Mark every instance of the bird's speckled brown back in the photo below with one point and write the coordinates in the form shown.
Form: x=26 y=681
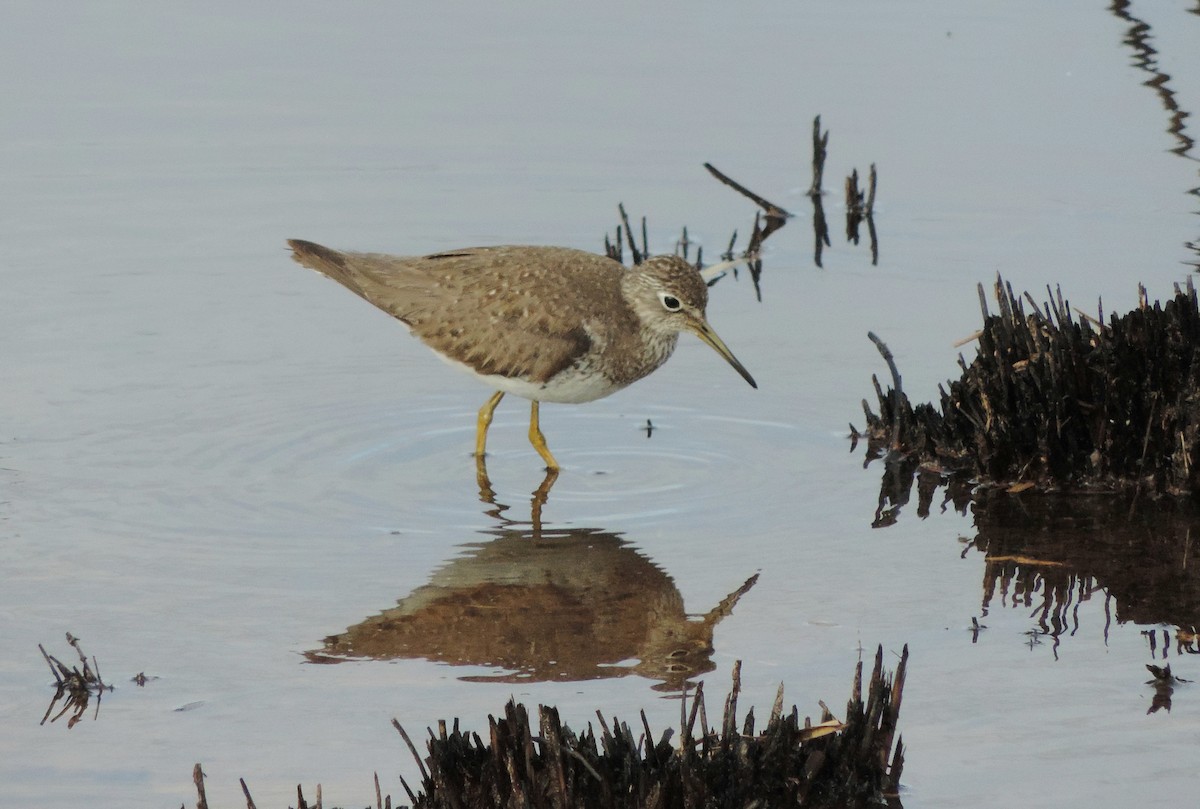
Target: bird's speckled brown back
x=526 y=312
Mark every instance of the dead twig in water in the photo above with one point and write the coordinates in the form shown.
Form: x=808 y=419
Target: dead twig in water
x=860 y=206
x=871 y=193
x=198 y=780
x=819 y=143
x=897 y=391
x=636 y=254
x=771 y=209
x=77 y=686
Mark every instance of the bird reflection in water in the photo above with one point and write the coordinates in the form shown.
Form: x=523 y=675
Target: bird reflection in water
x=541 y=604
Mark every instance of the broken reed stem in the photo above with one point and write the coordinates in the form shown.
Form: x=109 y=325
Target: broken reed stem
x=861 y=202
x=613 y=252
x=777 y=706
x=50 y=661
x=583 y=761
x=893 y=711
x=635 y=254
x=74 y=643
x=246 y=792
x=983 y=304
x=854 y=197
x=729 y=723
x=697 y=704
x=896 y=389
x=770 y=208
x=819 y=146
x=412 y=748
x=728 y=254
x=198 y=780
x=713 y=271
x=970 y=338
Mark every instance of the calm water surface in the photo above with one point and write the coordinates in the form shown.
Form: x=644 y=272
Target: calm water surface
x=216 y=468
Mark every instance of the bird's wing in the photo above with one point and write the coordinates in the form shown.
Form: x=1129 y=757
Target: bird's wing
x=512 y=311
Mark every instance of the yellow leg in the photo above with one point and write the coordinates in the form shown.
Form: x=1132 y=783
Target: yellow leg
x=538 y=440
x=485 y=421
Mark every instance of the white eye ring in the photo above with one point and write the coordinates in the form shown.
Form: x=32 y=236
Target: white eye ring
x=670 y=302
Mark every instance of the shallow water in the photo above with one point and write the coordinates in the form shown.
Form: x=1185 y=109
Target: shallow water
x=210 y=460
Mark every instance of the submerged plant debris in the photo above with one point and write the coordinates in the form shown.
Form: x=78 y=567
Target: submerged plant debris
x=789 y=762
x=1164 y=683
x=1056 y=403
x=75 y=686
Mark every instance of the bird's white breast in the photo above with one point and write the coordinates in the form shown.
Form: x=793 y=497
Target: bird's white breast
x=574 y=385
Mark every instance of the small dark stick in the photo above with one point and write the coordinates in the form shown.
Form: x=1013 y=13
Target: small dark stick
x=854 y=197
x=50 y=662
x=246 y=792
x=683 y=244
x=871 y=192
x=412 y=749
x=896 y=389
x=198 y=780
x=819 y=143
x=728 y=254
x=777 y=708
x=821 y=238
x=649 y=751
x=609 y=250
x=633 y=249
x=892 y=717
x=755 y=264
x=685 y=737
x=729 y=721
x=407 y=789
x=874 y=240
x=771 y=208
x=697 y=705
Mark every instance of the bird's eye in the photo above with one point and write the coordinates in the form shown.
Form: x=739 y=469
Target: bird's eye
x=669 y=302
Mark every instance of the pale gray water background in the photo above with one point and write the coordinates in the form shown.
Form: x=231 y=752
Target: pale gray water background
x=210 y=458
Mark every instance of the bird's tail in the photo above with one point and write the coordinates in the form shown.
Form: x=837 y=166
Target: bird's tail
x=328 y=262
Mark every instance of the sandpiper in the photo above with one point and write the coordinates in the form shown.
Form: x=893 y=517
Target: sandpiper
x=550 y=324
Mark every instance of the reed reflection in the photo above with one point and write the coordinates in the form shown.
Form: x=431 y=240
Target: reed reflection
x=543 y=603
x=1049 y=555
x=901 y=472
x=1139 y=36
